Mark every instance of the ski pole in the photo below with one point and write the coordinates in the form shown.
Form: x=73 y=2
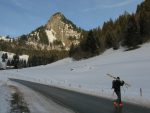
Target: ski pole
x=123 y=89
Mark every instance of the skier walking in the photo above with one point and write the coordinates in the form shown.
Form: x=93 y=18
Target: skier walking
x=116 y=86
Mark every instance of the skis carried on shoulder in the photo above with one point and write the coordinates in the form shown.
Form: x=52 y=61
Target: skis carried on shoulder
x=126 y=84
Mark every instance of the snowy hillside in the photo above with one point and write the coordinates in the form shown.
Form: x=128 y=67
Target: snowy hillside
x=89 y=76
x=5 y=39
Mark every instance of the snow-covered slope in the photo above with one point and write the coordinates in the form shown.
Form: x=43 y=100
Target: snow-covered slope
x=89 y=75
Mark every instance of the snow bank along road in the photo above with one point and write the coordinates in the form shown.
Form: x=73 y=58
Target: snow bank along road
x=81 y=103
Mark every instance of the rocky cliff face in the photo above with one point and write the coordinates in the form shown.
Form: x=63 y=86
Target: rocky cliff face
x=58 y=33
x=63 y=27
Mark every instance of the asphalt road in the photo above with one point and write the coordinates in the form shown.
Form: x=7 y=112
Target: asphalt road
x=81 y=103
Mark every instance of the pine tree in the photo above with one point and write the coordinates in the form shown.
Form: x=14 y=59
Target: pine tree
x=133 y=37
x=143 y=12
x=16 y=61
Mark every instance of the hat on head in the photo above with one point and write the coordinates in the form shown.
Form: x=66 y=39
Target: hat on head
x=118 y=78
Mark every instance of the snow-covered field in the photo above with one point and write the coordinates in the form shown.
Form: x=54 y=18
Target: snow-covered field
x=89 y=76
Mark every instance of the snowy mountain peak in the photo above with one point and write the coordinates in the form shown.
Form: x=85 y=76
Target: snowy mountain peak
x=64 y=29
x=58 y=15
x=59 y=33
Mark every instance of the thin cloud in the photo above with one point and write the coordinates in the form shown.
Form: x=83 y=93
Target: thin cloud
x=121 y=4
x=17 y=3
x=22 y=4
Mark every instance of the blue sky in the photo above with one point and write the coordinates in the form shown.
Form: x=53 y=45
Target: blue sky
x=19 y=17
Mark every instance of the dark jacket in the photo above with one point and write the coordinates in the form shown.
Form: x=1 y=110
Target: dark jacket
x=116 y=85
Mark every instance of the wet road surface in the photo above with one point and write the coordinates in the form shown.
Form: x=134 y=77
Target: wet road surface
x=81 y=103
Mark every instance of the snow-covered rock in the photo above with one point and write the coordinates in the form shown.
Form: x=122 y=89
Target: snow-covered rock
x=50 y=35
x=5 y=39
